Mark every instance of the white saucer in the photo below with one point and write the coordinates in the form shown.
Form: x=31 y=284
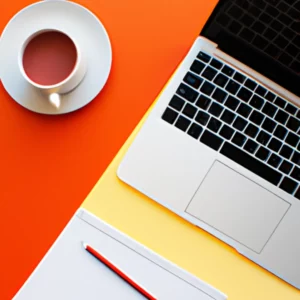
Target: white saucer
x=80 y=24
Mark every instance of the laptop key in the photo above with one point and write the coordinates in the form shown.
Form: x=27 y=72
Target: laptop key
x=197 y=67
x=187 y=93
x=274 y=160
x=211 y=140
x=256 y=117
x=251 y=163
x=203 y=56
x=244 y=110
x=261 y=91
x=262 y=153
x=280 y=132
x=286 y=167
x=286 y=151
x=193 y=80
x=296 y=158
x=263 y=138
x=228 y=116
x=293 y=124
x=203 y=102
x=280 y=102
x=195 y=130
x=251 y=130
x=221 y=80
x=239 y=77
x=219 y=95
x=250 y=84
x=182 y=123
x=169 y=115
x=257 y=102
x=189 y=110
x=250 y=146
x=207 y=88
x=240 y=124
x=232 y=87
x=232 y=102
x=288 y=185
x=281 y=117
x=275 y=145
x=228 y=71
x=226 y=132
x=202 y=117
x=269 y=125
x=239 y=139
x=216 y=64
x=291 y=109
x=214 y=125
x=244 y=94
x=269 y=109
x=209 y=73
x=215 y=109
x=296 y=174
x=177 y=103
x=292 y=139
x=270 y=97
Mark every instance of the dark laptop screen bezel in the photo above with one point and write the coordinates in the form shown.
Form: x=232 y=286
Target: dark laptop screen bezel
x=255 y=59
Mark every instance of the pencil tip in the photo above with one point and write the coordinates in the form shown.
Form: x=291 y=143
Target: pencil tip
x=84 y=245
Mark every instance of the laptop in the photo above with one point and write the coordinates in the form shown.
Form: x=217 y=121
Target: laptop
x=221 y=146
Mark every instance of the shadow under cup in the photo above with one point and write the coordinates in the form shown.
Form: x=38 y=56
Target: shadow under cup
x=49 y=58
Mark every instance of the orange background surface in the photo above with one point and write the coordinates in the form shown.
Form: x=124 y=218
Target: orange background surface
x=49 y=164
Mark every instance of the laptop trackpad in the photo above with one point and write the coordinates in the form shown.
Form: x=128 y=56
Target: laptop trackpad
x=237 y=207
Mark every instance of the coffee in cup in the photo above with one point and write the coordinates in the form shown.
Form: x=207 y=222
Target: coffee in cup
x=52 y=62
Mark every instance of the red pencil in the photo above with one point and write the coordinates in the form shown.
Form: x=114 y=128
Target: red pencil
x=118 y=271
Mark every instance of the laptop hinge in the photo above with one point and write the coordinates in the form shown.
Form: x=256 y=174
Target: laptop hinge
x=207 y=44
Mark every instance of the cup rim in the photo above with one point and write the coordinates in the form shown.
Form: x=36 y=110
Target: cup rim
x=56 y=85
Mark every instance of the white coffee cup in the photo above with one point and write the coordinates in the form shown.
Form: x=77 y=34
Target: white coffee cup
x=53 y=93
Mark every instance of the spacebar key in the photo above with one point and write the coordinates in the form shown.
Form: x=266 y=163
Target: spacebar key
x=251 y=163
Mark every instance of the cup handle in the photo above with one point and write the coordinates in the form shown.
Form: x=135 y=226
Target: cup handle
x=55 y=100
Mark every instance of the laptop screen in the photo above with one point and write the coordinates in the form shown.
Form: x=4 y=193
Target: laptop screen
x=263 y=34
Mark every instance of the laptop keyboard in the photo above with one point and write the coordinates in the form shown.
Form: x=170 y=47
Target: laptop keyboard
x=236 y=116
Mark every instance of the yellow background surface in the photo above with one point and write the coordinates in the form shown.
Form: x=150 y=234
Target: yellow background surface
x=179 y=241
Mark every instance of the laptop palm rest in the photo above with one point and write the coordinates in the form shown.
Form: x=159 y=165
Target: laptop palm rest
x=237 y=207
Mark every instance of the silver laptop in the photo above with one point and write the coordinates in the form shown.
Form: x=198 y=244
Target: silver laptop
x=221 y=146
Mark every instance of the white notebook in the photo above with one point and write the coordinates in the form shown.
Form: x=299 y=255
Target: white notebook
x=68 y=271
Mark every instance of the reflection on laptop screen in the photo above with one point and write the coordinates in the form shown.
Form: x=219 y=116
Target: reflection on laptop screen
x=263 y=34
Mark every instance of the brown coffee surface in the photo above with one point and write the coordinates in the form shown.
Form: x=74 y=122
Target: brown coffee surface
x=49 y=58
